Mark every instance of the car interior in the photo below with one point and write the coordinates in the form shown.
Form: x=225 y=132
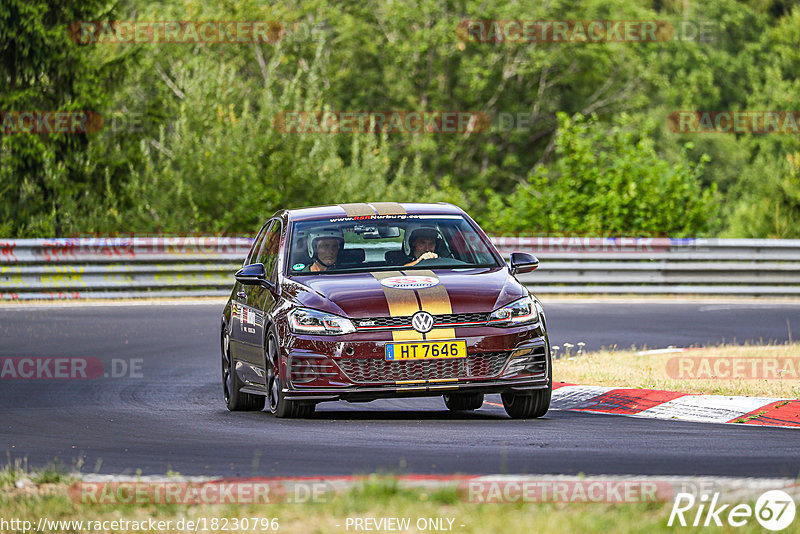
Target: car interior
x=374 y=250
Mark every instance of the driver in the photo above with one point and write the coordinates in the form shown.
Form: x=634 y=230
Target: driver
x=323 y=247
x=422 y=243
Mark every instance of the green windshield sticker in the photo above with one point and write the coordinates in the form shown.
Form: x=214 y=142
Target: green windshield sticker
x=298 y=266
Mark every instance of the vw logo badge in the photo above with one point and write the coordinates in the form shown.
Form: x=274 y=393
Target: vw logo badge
x=422 y=322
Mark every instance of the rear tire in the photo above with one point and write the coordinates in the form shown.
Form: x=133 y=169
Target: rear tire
x=278 y=405
x=235 y=400
x=463 y=401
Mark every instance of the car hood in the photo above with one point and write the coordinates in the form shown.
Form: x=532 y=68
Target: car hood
x=360 y=295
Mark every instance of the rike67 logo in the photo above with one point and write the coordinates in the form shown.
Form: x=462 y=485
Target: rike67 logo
x=774 y=510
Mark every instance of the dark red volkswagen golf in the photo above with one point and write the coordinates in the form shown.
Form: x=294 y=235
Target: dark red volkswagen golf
x=358 y=302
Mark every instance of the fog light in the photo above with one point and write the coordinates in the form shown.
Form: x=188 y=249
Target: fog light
x=527 y=361
x=516 y=365
x=306 y=370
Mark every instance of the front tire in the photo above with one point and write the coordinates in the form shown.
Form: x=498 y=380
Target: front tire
x=531 y=405
x=278 y=405
x=463 y=401
x=528 y=406
x=235 y=400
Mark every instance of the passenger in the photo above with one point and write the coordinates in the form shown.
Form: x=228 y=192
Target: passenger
x=324 y=247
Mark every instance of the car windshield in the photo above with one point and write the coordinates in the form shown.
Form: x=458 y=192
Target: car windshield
x=343 y=244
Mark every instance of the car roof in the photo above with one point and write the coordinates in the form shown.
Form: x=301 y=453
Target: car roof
x=371 y=209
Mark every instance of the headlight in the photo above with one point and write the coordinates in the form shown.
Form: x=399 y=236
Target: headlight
x=518 y=312
x=306 y=321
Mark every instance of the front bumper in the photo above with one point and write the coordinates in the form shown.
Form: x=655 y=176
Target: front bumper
x=432 y=389
x=355 y=369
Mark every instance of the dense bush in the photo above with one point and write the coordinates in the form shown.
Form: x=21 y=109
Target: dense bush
x=608 y=181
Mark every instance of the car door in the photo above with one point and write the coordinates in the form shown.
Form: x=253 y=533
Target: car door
x=253 y=311
x=239 y=335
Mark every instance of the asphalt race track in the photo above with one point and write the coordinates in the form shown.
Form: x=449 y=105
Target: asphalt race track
x=170 y=414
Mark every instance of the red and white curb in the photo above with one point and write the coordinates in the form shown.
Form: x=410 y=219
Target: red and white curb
x=672 y=405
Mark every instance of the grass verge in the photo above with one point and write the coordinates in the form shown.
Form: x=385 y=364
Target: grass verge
x=759 y=371
x=378 y=497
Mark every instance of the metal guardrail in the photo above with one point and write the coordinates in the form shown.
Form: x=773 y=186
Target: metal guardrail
x=203 y=266
x=119 y=267
x=661 y=265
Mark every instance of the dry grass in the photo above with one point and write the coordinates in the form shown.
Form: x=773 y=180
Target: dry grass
x=692 y=371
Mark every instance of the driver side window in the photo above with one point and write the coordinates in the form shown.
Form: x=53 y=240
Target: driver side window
x=251 y=256
x=269 y=250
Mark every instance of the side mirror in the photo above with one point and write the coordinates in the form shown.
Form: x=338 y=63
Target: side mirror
x=254 y=274
x=522 y=262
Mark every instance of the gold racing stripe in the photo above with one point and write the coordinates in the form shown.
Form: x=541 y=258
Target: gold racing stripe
x=357 y=209
x=402 y=303
x=388 y=208
x=436 y=301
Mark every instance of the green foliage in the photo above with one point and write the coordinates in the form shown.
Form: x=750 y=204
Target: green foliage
x=189 y=143
x=608 y=182
x=766 y=196
x=48 y=180
x=16 y=470
x=772 y=209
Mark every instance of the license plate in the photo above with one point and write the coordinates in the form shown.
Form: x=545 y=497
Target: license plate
x=426 y=350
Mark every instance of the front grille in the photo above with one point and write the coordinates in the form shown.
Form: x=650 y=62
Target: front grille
x=461 y=318
x=368 y=370
x=384 y=322
x=405 y=322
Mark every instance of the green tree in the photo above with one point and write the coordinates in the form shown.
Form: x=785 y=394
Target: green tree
x=609 y=182
x=48 y=182
x=765 y=201
x=205 y=156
